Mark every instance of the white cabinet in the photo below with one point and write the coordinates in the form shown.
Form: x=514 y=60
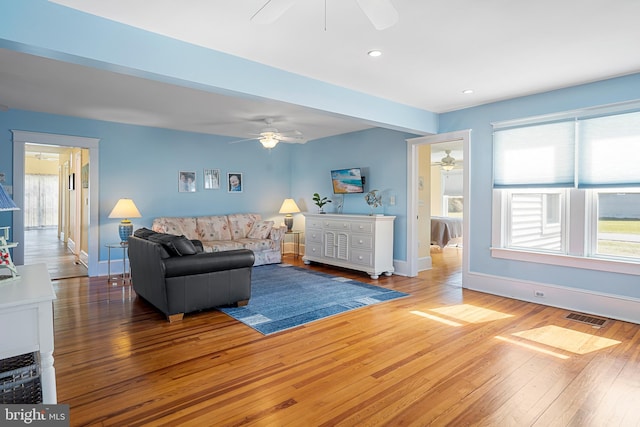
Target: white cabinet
x=26 y=316
x=359 y=242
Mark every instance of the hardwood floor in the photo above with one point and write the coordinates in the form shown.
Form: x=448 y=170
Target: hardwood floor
x=443 y=356
x=43 y=245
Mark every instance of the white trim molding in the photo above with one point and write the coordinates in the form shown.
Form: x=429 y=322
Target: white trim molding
x=596 y=303
x=20 y=138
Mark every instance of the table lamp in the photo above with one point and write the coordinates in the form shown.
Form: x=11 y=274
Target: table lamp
x=289 y=207
x=7 y=204
x=125 y=209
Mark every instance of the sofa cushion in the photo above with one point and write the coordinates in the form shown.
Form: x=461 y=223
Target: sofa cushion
x=175 y=245
x=177 y=226
x=221 y=245
x=240 y=224
x=258 y=245
x=213 y=228
x=260 y=230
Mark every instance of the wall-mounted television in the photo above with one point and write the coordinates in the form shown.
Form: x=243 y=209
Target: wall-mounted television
x=346 y=181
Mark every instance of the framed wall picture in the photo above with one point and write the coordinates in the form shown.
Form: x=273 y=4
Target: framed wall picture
x=187 y=182
x=212 y=179
x=234 y=182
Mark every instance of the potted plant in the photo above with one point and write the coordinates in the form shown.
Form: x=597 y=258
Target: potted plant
x=320 y=202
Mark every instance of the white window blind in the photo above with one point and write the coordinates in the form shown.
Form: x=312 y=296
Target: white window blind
x=452 y=183
x=539 y=156
x=609 y=153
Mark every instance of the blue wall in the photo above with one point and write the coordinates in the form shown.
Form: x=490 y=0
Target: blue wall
x=382 y=155
x=143 y=163
x=479 y=119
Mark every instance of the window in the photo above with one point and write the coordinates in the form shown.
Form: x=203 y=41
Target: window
x=618 y=224
x=534 y=221
x=568 y=185
x=452 y=200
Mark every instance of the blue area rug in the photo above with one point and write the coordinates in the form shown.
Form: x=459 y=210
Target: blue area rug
x=284 y=296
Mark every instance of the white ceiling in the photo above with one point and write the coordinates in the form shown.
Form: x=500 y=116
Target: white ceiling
x=499 y=48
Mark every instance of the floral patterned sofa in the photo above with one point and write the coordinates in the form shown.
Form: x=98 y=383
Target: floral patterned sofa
x=226 y=232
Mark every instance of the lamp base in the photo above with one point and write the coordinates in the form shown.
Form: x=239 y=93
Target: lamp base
x=288 y=221
x=125 y=229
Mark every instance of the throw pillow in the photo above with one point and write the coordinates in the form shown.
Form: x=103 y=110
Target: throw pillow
x=144 y=233
x=260 y=230
x=175 y=245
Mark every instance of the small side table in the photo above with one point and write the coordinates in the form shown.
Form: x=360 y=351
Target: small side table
x=126 y=276
x=296 y=241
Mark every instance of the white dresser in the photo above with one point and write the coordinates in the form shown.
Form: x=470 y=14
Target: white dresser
x=359 y=242
x=26 y=319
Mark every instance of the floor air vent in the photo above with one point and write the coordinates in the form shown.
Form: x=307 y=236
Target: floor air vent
x=589 y=320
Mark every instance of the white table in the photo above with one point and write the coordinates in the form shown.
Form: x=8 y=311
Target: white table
x=26 y=313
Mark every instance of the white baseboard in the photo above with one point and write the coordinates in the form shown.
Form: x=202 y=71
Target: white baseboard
x=425 y=263
x=116 y=267
x=400 y=268
x=71 y=245
x=600 y=304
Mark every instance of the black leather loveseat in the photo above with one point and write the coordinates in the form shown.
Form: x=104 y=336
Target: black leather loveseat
x=177 y=277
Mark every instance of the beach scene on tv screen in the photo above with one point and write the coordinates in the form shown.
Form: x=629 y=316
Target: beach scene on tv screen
x=347 y=181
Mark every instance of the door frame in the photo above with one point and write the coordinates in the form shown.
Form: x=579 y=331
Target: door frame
x=463 y=136
x=20 y=138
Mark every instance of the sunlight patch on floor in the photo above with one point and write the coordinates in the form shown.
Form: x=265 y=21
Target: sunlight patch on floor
x=470 y=313
x=533 y=347
x=436 y=318
x=461 y=314
x=566 y=339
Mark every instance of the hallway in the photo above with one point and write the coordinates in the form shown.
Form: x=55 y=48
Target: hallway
x=42 y=245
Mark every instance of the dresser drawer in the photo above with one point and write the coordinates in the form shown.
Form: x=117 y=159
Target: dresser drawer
x=362 y=227
x=337 y=225
x=362 y=258
x=313 y=236
x=361 y=241
x=313 y=249
x=314 y=223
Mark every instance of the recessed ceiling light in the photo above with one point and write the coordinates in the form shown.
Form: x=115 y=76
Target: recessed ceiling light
x=374 y=53
x=467 y=91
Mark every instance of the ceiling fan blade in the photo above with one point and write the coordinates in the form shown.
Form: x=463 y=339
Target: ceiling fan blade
x=271 y=11
x=381 y=13
x=294 y=139
x=243 y=140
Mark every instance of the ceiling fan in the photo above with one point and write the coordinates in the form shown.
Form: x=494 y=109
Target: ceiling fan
x=381 y=13
x=269 y=137
x=448 y=162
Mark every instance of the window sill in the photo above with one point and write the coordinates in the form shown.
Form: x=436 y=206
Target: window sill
x=623 y=267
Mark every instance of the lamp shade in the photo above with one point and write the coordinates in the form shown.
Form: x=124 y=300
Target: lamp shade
x=6 y=203
x=288 y=207
x=125 y=208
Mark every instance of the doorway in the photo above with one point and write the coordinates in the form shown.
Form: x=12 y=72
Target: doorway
x=73 y=178
x=50 y=232
x=419 y=202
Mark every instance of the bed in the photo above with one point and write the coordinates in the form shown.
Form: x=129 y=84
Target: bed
x=445 y=230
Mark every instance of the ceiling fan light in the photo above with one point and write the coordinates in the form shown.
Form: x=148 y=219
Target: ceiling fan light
x=447 y=167
x=268 y=142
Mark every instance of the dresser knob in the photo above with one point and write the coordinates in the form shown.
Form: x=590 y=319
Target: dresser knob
x=360 y=257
